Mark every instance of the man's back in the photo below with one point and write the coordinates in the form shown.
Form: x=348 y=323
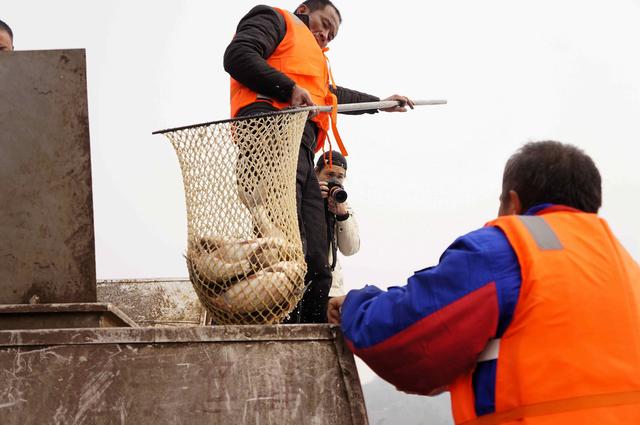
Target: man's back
x=577 y=315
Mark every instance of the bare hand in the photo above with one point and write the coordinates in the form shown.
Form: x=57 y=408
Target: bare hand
x=337 y=208
x=335 y=309
x=332 y=206
x=404 y=102
x=324 y=189
x=301 y=97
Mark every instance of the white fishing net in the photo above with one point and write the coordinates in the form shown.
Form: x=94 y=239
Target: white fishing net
x=244 y=253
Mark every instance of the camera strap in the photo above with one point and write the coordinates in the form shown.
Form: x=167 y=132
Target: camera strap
x=331 y=234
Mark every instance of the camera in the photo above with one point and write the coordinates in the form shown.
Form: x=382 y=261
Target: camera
x=336 y=191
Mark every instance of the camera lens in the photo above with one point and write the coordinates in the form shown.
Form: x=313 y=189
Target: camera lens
x=338 y=194
x=336 y=191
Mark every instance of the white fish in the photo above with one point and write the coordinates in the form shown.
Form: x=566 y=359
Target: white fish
x=219 y=260
x=263 y=290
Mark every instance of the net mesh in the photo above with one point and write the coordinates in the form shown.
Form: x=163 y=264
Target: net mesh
x=244 y=253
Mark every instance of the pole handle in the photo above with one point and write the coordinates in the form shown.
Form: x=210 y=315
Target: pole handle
x=366 y=106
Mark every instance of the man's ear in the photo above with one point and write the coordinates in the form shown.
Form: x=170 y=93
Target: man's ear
x=515 y=206
x=510 y=204
x=303 y=9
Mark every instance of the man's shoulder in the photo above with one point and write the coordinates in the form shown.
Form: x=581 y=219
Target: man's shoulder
x=485 y=239
x=483 y=252
x=262 y=10
x=262 y=16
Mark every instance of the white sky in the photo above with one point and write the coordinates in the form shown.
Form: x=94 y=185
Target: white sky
x=512 y=72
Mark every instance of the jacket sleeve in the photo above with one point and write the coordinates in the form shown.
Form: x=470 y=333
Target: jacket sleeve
x=347 y=235
x=421 y=336
x=258 y=35
x=346 y=95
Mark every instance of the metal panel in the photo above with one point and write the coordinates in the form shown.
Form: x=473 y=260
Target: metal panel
x=46 y=216
x=61 y=316
x=155 y=302
x=284 y=374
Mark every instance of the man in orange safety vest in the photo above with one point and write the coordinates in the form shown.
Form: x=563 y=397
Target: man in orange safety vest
x=532 y=319
x=277 y=59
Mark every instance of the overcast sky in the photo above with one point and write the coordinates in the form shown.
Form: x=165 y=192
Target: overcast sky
x=512 y=71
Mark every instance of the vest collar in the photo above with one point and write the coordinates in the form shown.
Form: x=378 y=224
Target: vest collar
x=547 y=208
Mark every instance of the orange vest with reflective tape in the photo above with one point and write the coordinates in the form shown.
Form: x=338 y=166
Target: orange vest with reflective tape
x=299 y=57
x=571 y=354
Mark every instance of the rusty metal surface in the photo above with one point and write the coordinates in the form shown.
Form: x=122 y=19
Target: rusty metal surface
x=46 y=216
x=62 y=316
x=252 y=333
x=284 y=374
x=154 y=302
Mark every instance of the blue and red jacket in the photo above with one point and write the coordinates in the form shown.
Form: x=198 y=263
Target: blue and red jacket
x=423 y=335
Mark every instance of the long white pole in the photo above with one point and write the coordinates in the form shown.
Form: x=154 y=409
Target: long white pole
x=344 y=107
x=366 y=106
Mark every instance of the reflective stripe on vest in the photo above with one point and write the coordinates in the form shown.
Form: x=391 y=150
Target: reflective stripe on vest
x=571 y=353
x=544 y=236
x=300 y=58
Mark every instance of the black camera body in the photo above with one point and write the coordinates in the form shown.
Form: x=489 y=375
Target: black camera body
x=336 y=191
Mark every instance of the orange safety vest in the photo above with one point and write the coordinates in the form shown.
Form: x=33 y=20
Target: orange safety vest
x=571 y=354
x=299 y=57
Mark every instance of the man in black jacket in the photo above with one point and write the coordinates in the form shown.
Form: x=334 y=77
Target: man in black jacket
x=257 y=37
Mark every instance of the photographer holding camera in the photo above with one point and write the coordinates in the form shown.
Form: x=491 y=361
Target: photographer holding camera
x=342 y=228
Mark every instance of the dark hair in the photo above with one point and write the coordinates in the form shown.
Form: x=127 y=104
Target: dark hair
x=553 y=172
x=320 y=5
x=5 y=27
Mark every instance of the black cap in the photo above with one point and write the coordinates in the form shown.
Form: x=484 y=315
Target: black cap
x=336 y=159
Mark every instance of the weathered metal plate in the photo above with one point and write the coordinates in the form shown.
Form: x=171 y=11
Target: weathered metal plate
x=46 y=216
x=284 y=374
x=62 y=316
x=155 y=302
